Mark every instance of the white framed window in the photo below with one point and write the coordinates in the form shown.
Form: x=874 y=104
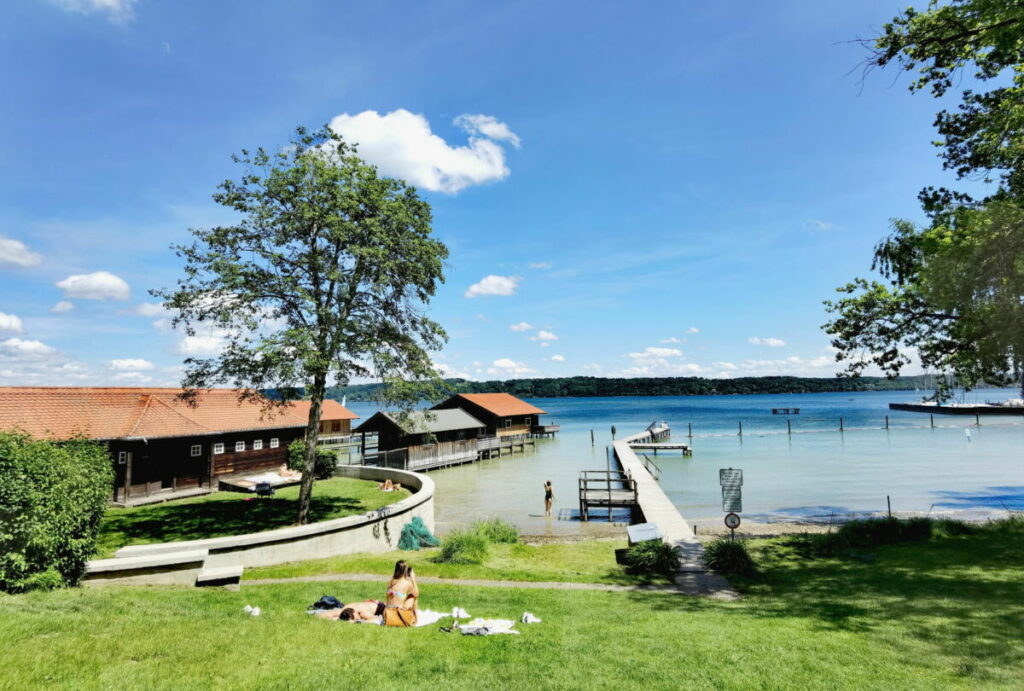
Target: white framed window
x=218 y=447
x=239 y=446
x=508 y=422
x=275 y=442
x=122 y=457
x=257 y=444
x=197 y=450
x=527 y=420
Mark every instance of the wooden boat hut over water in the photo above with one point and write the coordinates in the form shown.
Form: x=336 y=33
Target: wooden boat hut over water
x=423 y=439
x=160 y=446
x=503 y=414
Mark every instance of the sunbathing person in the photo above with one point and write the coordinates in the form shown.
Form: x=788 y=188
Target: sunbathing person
x=371 y=611
x=284 y=472
x=402 y=590
x=389 y=486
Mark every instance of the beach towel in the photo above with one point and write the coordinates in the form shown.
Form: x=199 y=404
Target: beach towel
x=426 y=617
x=487 y=627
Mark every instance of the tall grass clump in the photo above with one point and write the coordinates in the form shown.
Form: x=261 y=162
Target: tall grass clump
x=496 y=530
x=653 y=556
x=463 y=547
x=729 y=558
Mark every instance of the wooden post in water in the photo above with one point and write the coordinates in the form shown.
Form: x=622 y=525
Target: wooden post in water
x=977 y=420
x=840 y=423
x=789 y=426
x=888 y=503
x=591 y=437
x=689 y=430
x=887 y=422
x=932 y=416
x=741 y=428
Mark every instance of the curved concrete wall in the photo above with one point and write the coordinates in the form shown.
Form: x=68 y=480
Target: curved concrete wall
x=374 y=531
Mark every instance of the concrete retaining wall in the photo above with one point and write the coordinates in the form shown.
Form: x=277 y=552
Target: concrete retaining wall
x=656 y=506
x=375 y=531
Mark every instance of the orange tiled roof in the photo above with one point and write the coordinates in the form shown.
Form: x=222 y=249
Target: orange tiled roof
x=502 y=404
x=330 y=410
x=115 y=413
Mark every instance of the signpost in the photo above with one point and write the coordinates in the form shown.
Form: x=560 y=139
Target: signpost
x=731 y=480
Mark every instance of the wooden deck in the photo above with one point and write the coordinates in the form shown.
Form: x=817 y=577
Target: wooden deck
x=663 y=446
x=606 y=489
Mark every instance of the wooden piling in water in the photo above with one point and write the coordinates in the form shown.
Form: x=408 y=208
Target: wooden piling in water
x=840 y=423
x=741 y=427
x=887 y=422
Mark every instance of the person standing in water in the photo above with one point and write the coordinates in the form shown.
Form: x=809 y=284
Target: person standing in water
x=549 y=497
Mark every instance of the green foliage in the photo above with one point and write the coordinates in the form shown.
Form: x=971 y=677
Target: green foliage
x=52 y=497
x=954 y=289
x=496 y=530
x=415 y=536
x=653 y=556
x=324 y=466
x=568 y=387
x=729 y=558
x=323 y=277
x=852 y=538
x=463 y=547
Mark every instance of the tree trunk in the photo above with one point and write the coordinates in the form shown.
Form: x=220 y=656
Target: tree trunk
x=316 y=398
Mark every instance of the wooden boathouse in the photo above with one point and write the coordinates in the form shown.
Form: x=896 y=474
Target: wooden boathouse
x=503 y=414
x=160 y=446
x=422 y=439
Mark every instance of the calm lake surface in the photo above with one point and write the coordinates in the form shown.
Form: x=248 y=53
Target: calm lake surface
x=812 y=473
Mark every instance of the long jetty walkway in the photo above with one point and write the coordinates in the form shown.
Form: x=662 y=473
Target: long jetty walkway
x=658 y=509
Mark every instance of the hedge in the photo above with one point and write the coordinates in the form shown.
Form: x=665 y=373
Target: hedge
x=52 y=498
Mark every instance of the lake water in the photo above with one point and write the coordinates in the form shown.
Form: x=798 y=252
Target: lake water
x=813 y=472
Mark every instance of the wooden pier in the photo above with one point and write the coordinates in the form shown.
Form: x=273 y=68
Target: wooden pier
x=606 y=489
x=662 y=446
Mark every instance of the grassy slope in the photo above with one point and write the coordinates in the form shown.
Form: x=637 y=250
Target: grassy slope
x=584 y=562
x=232 y=513
x=943 y=614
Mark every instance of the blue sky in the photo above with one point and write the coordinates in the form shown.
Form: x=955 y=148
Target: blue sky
x=626 y=188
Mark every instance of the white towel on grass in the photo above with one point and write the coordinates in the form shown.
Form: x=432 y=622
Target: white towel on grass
x=487 y=627
x=426 y=617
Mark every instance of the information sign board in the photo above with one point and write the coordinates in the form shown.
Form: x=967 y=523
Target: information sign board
x=731 y=480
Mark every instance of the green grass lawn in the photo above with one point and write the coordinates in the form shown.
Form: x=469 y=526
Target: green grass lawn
x=233 y=513
x=583 y=562
x=948 y=613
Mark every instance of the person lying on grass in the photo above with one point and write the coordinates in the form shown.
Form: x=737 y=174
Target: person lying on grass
x=389 y=486
x=370 y=610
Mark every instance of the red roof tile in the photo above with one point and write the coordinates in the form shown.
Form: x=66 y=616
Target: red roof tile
x=502 y=404
x=113 y=413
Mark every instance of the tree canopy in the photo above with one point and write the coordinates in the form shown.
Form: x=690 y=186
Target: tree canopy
x=323 y=278
x=952 y=289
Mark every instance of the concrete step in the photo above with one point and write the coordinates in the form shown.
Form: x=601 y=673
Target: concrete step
x=220 y=576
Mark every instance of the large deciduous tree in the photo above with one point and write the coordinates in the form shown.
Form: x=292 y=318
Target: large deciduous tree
x=953 y=288
x=324 y=277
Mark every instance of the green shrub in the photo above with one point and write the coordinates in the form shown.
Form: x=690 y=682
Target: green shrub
x=653 y=556
x=952 y=528
x=729 y=558
x=324 y=466
x=884 y=531
x=52 y=498
x=463 y=547
x=496 y=530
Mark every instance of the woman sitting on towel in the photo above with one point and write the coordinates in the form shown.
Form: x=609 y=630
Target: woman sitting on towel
x=402 y=590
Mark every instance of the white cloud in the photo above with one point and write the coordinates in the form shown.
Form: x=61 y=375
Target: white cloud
x=100 y=285
x=16 y=347
x=655 y=352
x=15 y=253
x=494 y=285
x=726 y=366
x=693 y=330
x=540 y=265
x=202 y=345
x=544 y=344
x=62 y=307
x=670 y=339
x=521 y=326
x=450 y=372
x=592 y=367
x=150 y=309
x=543 y=335
x=131 y=365
x=402 y=145
x=504 y=367
x=135 y=377
x=488 y=126
x=770 y=342
x=11 y=322
x=117 y=11
x=818 y=225
x=558 y=358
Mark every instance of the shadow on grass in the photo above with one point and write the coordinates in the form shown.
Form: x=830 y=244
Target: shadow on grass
x=170 y=522
x=960 y=597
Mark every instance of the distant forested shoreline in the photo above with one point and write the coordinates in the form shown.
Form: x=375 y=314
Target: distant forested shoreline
x=582 y=387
